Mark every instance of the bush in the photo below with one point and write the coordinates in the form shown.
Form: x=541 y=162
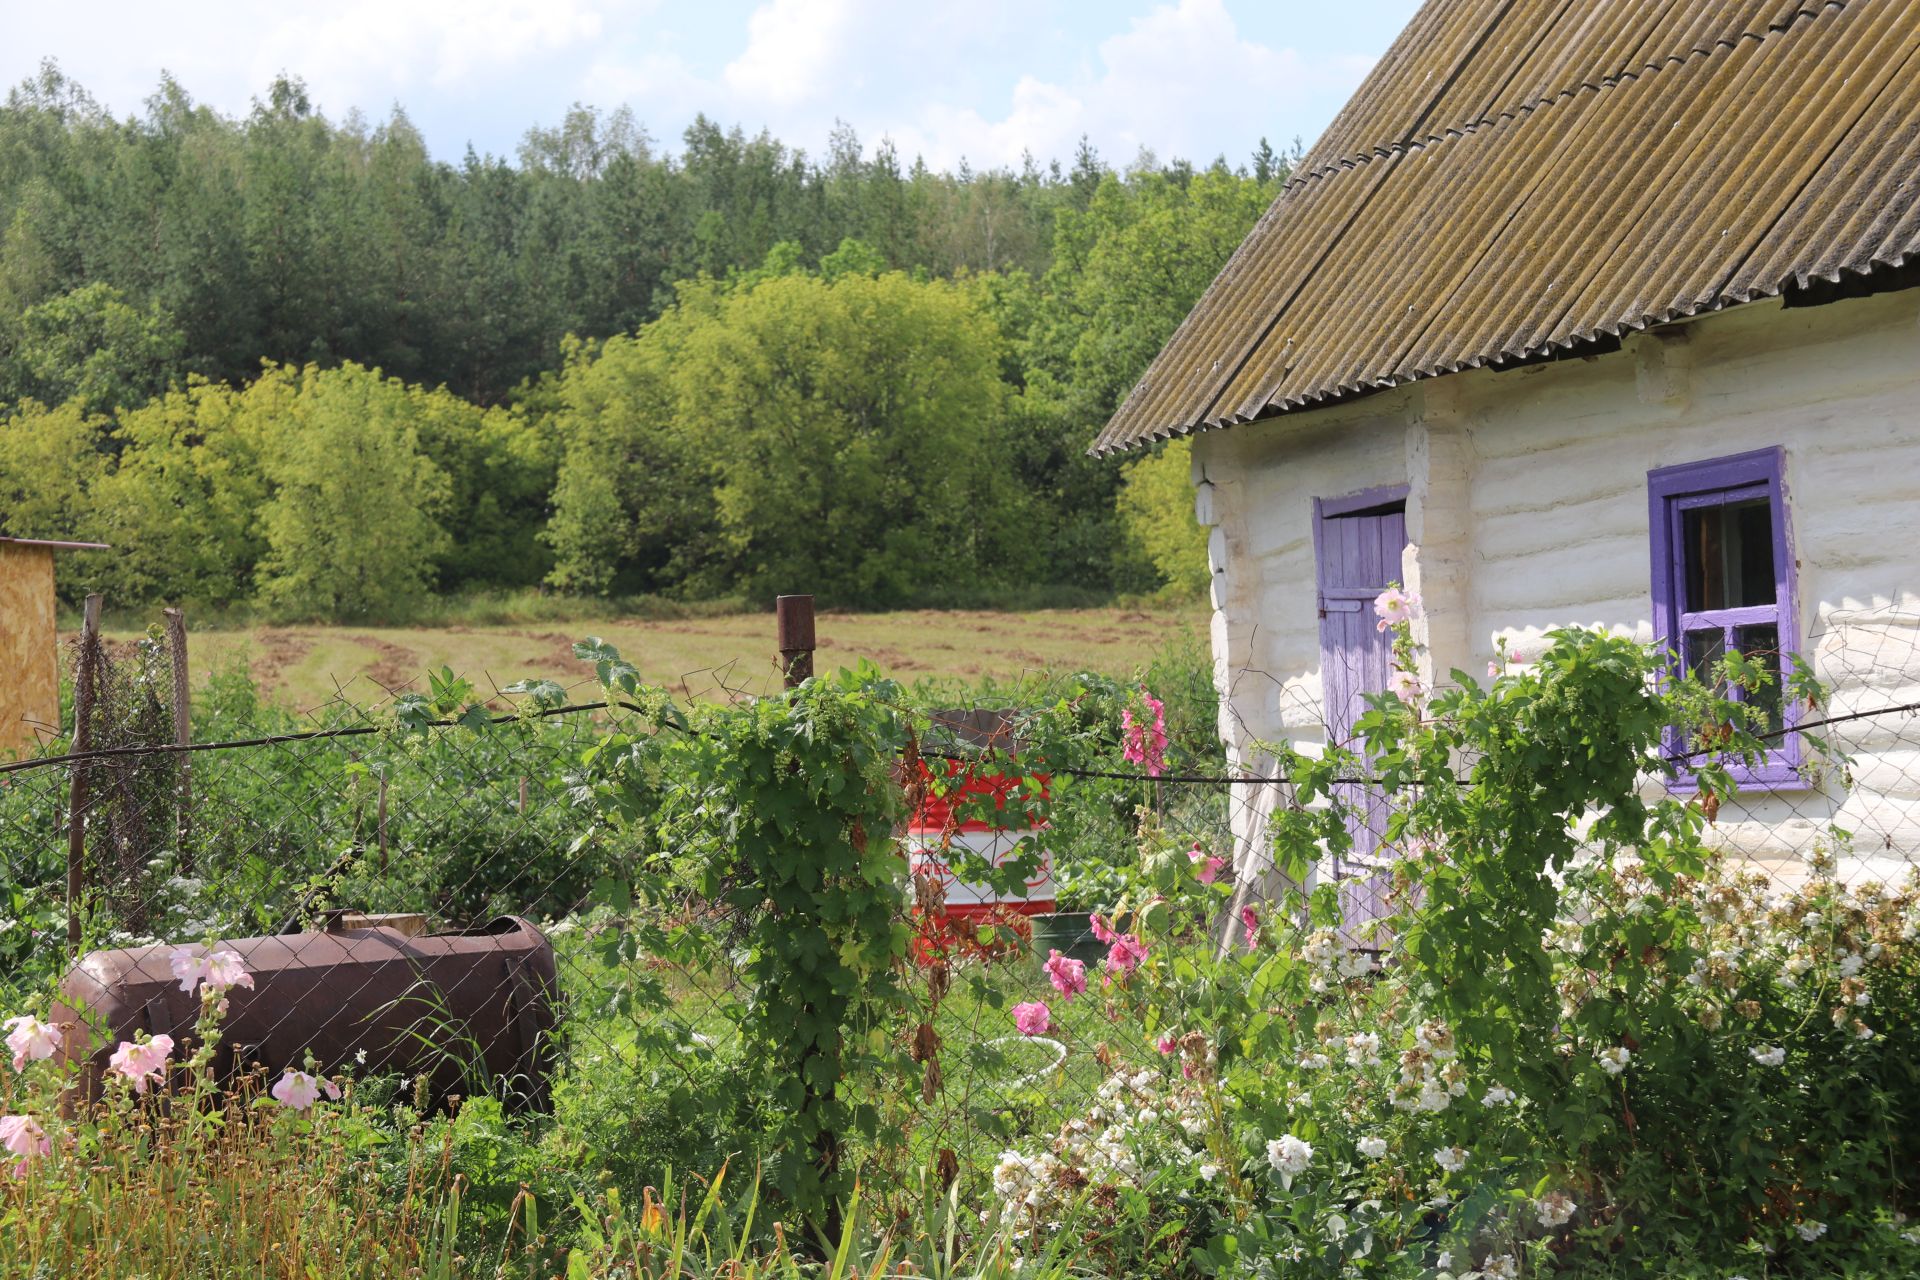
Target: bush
x=1595 y=1050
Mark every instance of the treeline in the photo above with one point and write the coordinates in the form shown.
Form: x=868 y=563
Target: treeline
x=298 y=363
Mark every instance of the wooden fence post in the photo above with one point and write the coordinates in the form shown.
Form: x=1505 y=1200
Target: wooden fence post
x=793 y=624
x=182 y=736
x=83 y=691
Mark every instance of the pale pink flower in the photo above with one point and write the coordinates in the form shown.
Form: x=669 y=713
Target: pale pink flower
x=1515 y=658
x=31 y=1039
x=1250 y=921
x=220 y=970
x=1124 y=954
x=1493 y=671
x=1068 y=975
x=1208 y=866
x=225 y=969
x=189 y=968
x=296 y=1089
x=1404 y=685
x=1142 y=743
x=23 y=1136
x=332 y=1089
x=142 y=1063
x=1102 y=932
x=1394 y=606
x=1033 y=1018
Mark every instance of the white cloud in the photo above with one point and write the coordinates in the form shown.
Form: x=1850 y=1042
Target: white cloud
x=796 y=51
x=1181 y=80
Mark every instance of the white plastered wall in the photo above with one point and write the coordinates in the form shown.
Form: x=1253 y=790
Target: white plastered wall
x=1527 y=510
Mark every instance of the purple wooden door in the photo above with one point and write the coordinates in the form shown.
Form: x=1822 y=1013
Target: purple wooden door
x=1358 y=542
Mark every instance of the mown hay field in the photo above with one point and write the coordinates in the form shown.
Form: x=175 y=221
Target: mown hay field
x=304 y=667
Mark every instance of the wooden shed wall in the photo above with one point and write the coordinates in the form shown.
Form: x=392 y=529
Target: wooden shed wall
x=29 y=653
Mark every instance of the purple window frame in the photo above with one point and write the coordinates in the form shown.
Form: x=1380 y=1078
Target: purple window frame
x=1670 y=492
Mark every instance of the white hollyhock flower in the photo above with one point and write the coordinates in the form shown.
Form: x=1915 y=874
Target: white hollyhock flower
x=1811 y=1230
x=1289 y=1155
x=1451 y=1159
x=1769 y=1055
x=1555 y=1209
x=1498 y=1096
x=1613 y=1061
x=1371 y=1147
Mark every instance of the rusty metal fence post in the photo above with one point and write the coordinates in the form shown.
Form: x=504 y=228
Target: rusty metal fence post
x=793 y=624
x=182 y=734
x=83 y=681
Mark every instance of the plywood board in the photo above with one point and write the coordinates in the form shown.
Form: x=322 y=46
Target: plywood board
x=29 y=652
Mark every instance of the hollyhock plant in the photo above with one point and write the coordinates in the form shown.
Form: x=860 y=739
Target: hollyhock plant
x=22 y=1136
x=1124 y=954
x=296 y=1090
x=1143 y=733
x=31 y=1039
x=1033 y=1018
x=142 y=1063
x=219 y=970
x=1394 y=606
x=1250 y=922
x=1068 y=975
x=1207 y=866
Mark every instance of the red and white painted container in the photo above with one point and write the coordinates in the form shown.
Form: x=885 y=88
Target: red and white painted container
x=998 y=829
x=935 y=833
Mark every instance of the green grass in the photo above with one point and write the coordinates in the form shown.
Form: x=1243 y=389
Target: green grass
x=696 y=656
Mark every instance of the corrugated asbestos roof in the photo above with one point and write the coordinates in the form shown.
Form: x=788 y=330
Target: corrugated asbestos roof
x=1521 y=176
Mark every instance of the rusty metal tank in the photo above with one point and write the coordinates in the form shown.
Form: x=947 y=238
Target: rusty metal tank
x=447 y=1005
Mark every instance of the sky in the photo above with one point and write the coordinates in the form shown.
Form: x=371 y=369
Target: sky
x=985 y=79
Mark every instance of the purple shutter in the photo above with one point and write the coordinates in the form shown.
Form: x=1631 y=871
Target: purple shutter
x=1358 y=542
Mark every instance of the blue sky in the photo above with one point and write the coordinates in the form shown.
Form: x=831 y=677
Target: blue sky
x=985 y=79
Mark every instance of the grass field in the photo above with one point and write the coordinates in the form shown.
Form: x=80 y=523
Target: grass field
x=304 y=667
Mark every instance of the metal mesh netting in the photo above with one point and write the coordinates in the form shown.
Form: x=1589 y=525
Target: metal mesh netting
x=283 y=835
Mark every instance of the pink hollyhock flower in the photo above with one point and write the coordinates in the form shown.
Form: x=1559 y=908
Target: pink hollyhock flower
x=189 y=968
x=1101 y=931
x=1033 y=1018
x=142 y=1063
x=1142 y=743
x=1394 y=606
x=332 y=1089
x=1124 y=954
x=1069 y=976
x=220 y=970
x=1493 y=671
x=1250 y=921
x=1166 y=1044
x=31 y=1039
x=23 y=1136
x=296 y=1089
x=225 y=969
x=1209 y=865
x=1404 y=685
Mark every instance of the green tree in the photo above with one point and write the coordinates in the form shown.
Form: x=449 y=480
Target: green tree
x=352 y=528
x=89 y=345
x=1156 y=508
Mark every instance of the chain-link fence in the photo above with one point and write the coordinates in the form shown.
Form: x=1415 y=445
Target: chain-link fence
x=307 y=836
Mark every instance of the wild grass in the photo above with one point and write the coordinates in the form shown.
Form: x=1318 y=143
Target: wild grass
x=698 y=654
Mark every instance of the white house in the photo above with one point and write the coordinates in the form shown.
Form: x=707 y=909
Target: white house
x=1591 y=313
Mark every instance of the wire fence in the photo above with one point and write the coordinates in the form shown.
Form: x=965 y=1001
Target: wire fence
x=325 y=844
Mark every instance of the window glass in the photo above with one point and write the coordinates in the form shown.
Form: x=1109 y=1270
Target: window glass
x=1704 y=650
x=1762 y=644
x=1727 y=551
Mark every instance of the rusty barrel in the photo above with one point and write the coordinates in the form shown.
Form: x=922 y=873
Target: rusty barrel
x=467 y=1009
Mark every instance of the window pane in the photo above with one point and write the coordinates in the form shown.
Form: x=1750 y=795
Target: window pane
x=1762 y=644
x=1728 y=555
x=1704 y=650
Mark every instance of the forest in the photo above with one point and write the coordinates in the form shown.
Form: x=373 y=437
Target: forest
x=298 y=366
